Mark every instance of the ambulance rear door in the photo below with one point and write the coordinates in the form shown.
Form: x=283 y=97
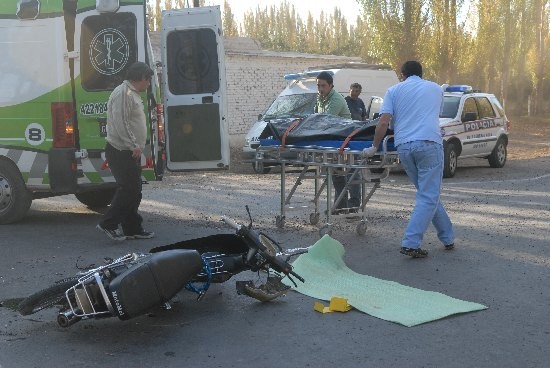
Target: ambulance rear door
x=194 y=89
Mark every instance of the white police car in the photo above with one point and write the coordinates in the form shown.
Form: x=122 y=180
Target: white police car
x=473 y=124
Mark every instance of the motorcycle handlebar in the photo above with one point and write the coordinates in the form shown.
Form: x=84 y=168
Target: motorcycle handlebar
x=277 y=263
x=231 y=223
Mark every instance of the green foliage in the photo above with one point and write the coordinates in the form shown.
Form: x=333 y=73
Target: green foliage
x=500 y=46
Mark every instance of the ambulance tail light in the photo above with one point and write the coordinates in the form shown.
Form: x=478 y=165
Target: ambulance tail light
x=63 y=125
x=160 y=124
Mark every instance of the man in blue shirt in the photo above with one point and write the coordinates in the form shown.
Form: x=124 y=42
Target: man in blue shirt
x=414 y=106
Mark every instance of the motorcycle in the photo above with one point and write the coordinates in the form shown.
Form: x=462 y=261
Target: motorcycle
x=133 y=284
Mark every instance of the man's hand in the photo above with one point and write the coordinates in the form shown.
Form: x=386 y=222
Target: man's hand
x=369 y=152
x=136 y=153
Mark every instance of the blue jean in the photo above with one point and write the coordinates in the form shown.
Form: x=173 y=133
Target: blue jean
x=423 y=163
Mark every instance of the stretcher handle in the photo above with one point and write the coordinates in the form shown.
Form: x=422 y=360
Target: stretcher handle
x=292 y=126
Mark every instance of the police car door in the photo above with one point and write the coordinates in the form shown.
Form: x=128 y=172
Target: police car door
x=470 y=117
x=194 y=89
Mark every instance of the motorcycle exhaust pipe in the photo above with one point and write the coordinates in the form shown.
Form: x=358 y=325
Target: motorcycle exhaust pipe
x=66 y=319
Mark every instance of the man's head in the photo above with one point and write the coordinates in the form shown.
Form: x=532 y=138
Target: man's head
x=324 y=83
x=139 y=74
x=355 y=90
x=411 y=67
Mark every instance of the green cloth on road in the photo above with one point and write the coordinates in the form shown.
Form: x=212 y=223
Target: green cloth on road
x=327 y=276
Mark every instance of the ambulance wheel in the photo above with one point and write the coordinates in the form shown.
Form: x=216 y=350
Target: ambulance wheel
x=96 y=198
x=259 y=168
x=497 y=158
x=15 y=199
x=450 y=160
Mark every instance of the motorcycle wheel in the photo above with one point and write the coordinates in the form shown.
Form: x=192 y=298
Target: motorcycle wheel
x=54 y=295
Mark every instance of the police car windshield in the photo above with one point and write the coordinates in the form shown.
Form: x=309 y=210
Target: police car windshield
x=291 y=106
x=450 y=106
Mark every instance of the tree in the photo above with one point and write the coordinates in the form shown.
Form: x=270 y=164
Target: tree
x=229 y=23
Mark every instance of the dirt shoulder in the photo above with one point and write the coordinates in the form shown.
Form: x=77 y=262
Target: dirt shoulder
x=529 y=137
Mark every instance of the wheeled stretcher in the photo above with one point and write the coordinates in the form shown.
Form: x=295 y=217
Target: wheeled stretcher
x=320 y=160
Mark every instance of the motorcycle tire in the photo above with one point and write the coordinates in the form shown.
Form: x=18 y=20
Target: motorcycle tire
x=54 y=295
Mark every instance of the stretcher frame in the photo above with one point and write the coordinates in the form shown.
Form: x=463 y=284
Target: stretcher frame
x=325 y=162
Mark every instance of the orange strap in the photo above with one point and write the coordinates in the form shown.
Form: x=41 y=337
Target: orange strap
x=292 y=126
x=346 y=141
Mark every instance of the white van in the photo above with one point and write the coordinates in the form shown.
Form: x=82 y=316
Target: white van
x=299 y=96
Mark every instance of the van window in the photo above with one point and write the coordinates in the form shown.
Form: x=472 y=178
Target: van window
x=290 y=106
x=485 y=108
x=108 y=46
x=192 y=57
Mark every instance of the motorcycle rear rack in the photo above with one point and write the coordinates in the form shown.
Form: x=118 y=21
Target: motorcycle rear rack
x=89 y=298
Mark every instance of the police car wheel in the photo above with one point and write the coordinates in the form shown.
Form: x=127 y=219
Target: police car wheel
x=497 y=158
x=15 y=199
x=451 y=161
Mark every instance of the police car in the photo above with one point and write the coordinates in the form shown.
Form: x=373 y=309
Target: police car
x=473 y=124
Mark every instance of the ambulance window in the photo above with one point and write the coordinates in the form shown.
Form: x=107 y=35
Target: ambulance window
x=485 y=108
x=192 y=62
x=470 y=107
x=108 y=46
x=28 y=9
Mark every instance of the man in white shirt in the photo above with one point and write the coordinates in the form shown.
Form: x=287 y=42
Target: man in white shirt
x=126 y=137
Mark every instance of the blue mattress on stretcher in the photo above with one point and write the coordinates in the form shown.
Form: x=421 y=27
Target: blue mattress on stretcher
x=358 y=145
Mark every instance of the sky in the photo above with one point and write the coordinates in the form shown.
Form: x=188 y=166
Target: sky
x=350 y=9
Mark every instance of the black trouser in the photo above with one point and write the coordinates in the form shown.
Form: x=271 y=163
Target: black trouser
x=354 y=190
x=124 y=207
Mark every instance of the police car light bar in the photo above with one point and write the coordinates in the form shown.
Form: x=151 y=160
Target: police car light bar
x=459 y=88
x=310 y=74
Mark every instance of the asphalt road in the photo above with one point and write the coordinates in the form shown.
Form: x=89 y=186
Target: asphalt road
x=502 y=260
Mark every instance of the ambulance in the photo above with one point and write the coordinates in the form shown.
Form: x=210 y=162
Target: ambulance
x=60 y=61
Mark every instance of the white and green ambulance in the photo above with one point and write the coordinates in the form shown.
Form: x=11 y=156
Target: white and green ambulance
x=61 y=59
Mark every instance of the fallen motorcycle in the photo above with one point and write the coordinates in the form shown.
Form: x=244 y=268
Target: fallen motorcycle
x=132 y=285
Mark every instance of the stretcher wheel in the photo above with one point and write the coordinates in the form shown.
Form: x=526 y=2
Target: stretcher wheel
x=280 y=221
x=361 y=228
x=325 y=230
x=314 y=218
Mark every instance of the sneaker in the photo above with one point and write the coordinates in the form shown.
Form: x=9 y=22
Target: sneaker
x=113 y=234
x=141 y=235
x=414 y=252
x=449 y=247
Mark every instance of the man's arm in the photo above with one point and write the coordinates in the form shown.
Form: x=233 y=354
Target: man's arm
x=381 y=129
